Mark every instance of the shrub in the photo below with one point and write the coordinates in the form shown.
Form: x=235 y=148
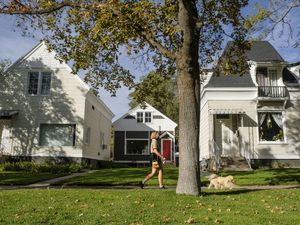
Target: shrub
x=41 y=168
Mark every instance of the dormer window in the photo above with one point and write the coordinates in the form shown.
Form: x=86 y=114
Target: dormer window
x=39 y=83
x=144 y=117
x=148 y=117
x=139 y=117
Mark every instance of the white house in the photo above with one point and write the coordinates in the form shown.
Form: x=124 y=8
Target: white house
x=254 y=116
x=132 y=135
x=47 y=112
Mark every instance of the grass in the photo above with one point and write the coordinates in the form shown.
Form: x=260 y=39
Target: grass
x=146 y=207
x=23 y=178
x=121 y=176
x=131 y=176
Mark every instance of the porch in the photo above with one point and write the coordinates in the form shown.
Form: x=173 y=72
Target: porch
x=226 y=145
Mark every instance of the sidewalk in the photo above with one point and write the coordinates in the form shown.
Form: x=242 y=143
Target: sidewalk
x=47 y=184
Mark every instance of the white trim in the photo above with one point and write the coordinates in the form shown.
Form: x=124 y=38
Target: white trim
x=283 y=129
x=166 y=132
x=40 y=78
x=55 y=123
x=125 y=145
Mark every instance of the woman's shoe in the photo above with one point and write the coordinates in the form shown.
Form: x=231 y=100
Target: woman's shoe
x=141 y=184
x=162 y=187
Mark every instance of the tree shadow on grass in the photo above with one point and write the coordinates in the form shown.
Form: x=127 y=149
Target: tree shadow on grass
x=285 y=176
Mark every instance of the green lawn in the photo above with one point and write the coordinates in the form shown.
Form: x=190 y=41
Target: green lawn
x=23 y=178
x=131 y=176
x=86 y=206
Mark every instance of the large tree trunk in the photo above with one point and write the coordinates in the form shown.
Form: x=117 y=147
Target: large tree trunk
x=188 y=90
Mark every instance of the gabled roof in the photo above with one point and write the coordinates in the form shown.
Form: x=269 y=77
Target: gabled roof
x=139 y=107
x=42 y=44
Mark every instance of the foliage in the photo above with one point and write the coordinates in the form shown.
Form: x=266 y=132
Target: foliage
x=4 y=64
x=160 y=91
x=40 y=168
x=93 y=34
x=277 y=20
x=91 y=206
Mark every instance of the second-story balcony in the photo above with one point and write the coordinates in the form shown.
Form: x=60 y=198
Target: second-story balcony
x=272 y=92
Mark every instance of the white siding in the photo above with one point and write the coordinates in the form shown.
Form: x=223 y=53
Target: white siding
x=164 y=124
x=65 y=105
x=98 y=118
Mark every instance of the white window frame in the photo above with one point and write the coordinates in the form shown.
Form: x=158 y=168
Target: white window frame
x=144 y=116
x=137 y=117
x=40 y=78
x=136 y=139
x=71 y=124
x=283 y=128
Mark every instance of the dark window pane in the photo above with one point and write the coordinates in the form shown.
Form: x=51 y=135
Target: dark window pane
x=137 y=134
x=33 y=83
x=270 y=127
x=46 y=84
x=137 y=147
x=139 y=117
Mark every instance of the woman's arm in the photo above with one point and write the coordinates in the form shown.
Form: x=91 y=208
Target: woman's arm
x=158 y=154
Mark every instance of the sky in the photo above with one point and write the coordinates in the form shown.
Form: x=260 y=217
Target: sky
x=13 y=45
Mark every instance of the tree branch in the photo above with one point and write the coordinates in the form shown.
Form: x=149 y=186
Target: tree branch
x=17 y=8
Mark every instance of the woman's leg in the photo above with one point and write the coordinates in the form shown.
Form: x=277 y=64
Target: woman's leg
x=160 y=177
x=150 y=175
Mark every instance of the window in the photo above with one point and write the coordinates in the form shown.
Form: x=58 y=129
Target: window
x=39 y=83
x=46 y=83
x=137 y=143
x=139 y=117
x=102 y=141
x=148 y=118
x=137 y=147
x=270 y=126
x=265 y=77
x=222 y=116
x=87 y=135
x=33 y=83
x=57 y=134
x=144 y=117
x=273 y=77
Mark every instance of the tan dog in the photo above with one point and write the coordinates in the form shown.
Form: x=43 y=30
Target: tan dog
x=220 y=182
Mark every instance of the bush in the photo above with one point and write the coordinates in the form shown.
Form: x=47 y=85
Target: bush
x=40 y=168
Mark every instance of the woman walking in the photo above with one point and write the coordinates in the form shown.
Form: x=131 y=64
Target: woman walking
x=157 y=161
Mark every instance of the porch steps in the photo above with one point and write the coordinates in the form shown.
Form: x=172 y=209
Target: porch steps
x=234 y=164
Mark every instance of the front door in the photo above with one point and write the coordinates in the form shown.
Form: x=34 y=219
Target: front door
x=4 y=136
x=225 y=135
x=166 y=148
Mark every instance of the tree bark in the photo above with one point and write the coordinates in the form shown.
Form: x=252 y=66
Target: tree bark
x=188 y=81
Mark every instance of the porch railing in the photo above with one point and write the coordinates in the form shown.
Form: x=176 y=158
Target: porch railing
x=215 y=153
x=272 y=91
x=246 y=152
